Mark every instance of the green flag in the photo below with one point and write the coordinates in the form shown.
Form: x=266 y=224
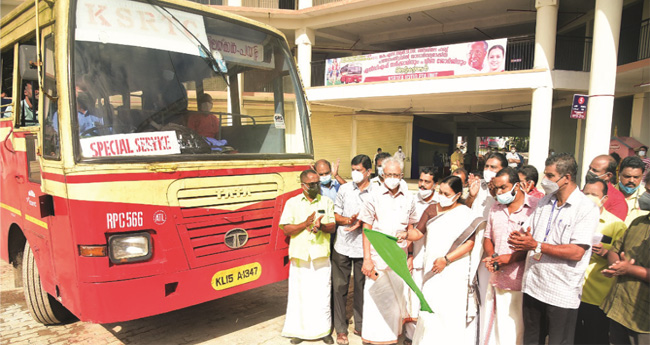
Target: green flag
x=386 y=246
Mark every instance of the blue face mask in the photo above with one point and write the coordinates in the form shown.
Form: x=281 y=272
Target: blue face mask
x=628 y=190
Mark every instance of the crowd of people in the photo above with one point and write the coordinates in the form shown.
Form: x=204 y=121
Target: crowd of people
x=498 y=261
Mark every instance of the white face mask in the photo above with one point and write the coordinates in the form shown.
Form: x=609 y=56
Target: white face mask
x=641 y=153
x=549 y=186
x=325 y=179
x=425 y=193
x=391 y=182
x=488 y=175
x=508 y=197
x=357 y=176
x=445 y=201
x=380 y=171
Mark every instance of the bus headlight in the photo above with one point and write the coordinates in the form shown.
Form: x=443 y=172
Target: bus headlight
x=132 y=247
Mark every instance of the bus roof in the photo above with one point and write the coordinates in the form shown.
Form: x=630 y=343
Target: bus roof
x=27 y=5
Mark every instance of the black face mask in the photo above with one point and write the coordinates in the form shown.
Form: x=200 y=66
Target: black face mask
x=312 y=192
x=592 y=176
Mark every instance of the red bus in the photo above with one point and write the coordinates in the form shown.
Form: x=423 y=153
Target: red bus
x=145 y=156
x=351 y=73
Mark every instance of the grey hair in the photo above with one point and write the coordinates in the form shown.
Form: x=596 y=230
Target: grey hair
x=393 y=160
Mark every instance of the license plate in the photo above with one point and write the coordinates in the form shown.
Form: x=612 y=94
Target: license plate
x=236 y=276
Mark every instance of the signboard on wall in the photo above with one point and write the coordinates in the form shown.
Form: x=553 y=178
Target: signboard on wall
x=447 y=60
x=579 y=107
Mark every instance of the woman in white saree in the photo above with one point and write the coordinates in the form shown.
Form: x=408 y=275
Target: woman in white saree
x=448 y=274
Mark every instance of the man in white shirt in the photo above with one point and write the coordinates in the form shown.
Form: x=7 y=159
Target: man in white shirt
x=390 y=209
x=558 y=243
x=348 y=248
x=513 y=157
x=400 y=154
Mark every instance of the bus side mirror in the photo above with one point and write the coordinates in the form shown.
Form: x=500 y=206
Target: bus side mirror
x=27 y=64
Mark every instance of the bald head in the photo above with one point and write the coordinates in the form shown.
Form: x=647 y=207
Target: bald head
x=604 y=167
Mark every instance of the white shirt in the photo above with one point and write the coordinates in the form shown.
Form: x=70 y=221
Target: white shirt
x=511 y=155
x=388 y=214
x=553 y=280
x=349 y=201
x=400 y=155
x=483 y=201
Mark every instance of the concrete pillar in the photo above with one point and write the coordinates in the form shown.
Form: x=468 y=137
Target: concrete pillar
x=471 y=140
x=304 y=4
x=542 y=103
x=305 y=39
x=640 y=123
x=602 y=79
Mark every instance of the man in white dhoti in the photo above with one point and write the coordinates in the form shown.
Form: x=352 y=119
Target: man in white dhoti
x=480 y=200
x=309 y=219
x=504 y=321
x=424 y=199
x=389 y=209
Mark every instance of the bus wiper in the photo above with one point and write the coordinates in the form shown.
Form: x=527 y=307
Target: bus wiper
x=204 y=52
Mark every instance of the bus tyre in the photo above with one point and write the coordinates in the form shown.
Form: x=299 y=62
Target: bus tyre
x=43 y=307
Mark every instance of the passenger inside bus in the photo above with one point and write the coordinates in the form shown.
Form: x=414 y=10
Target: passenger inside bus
x=28 y=106
x=204 y=122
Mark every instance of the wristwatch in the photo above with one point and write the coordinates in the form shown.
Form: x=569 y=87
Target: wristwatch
x=538 y=249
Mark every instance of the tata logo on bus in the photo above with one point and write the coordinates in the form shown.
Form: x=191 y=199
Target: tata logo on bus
x=232 y=193
x=236 y=276
x=236 y=238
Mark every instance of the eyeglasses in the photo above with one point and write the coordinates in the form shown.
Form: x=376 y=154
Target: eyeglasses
x=392 y=175
x=312 y=184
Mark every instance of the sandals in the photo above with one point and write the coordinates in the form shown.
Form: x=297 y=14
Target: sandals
x=342 y=339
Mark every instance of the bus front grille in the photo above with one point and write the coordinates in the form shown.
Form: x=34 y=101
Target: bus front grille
x=208 y=211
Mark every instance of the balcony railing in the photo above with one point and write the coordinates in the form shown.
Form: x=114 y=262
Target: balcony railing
x=644 y=40
x=281 y=4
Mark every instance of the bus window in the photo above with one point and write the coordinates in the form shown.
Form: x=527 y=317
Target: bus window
x=28 y=109
x=7 y=71
x=51 y=142
x=252 y=101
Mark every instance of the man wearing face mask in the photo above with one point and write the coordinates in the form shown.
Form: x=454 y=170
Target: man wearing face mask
x=309 y=219
x=626 y=305
x=425 y=198
x=399 y=154
x=330 y=181
x=348 y=248
x=630 y=177
x=592 y=325
x=504 y=323
x=558 y=242
x=513 y=158
x=604 y=167
x=481 y=191
x=389 y=209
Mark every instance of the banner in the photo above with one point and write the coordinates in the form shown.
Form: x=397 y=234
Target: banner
x=386 y=246
x=439 y=61
x=132 y=144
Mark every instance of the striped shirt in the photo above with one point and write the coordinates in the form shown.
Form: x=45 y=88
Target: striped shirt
x=552 y=280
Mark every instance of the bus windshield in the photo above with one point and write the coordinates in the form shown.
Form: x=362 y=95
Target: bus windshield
x=144 y=85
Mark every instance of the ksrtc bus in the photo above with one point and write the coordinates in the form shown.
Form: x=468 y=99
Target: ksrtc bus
x=147 y=150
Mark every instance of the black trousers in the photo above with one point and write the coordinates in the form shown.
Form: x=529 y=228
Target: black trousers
x=592 y=326
x=619 y=334
x=541 y=319
x=341 y=268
